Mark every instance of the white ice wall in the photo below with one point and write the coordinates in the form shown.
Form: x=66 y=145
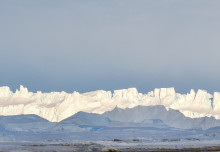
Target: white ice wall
x=56 y=106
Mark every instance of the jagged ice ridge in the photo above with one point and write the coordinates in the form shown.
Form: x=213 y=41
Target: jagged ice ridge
x=56 y=106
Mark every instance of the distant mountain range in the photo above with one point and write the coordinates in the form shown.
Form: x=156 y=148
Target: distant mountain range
x=138 y=122
x=140 y=116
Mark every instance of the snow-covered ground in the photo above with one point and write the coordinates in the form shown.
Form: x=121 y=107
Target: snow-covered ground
x=123 y=146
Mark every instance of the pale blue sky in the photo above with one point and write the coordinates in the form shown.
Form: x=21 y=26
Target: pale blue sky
x=55 y=45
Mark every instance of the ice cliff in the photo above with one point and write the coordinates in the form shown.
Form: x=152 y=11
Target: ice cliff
x=56 y=106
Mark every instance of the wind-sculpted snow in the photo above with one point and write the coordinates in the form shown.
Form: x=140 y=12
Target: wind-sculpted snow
x=56 y=106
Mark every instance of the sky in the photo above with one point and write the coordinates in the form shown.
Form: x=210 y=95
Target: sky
x=75 y=45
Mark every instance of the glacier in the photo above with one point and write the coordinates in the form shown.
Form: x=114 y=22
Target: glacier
x=57 y=106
